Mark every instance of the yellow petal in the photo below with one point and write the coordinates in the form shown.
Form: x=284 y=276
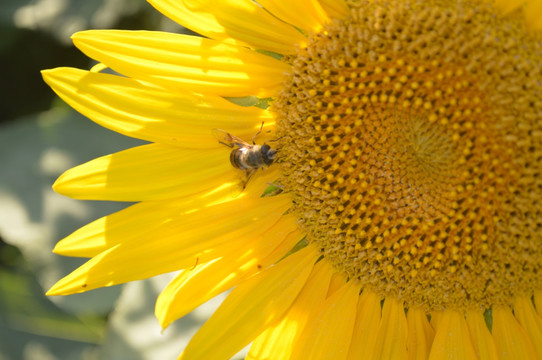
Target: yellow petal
x=236 y=21
x=420 y=334
x=452 y=338
x=133 y=109
x=251 y=307
x=335 y=8
x=184 y=63
x=507 y=6
x=194 y=286
x=533 y=14
x=482 y=341
x=337 y=281
x=149 y=219
x=278 y=340
x=110 y=230
x=368 y=316
x=435 y=317
x=283 y=248
x=174 y=242
x=314 y=17
x=538 y=301
x=125 y=225
x=530 y=321
x=328 y=333
x=149 y=172
x=511 y=340
x=391 y=339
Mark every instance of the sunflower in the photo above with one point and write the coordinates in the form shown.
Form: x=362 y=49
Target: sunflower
x=401 y=217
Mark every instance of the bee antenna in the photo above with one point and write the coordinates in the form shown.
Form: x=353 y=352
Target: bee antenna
x=276 y=139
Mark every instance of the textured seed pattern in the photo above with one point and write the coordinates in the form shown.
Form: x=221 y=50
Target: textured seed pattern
x=411 y=142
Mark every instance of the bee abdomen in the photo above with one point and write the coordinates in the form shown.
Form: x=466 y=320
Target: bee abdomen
x=254 y=157
x=235 y=159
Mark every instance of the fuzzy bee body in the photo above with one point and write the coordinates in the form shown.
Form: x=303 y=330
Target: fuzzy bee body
x=245 y=156
x=252 y=157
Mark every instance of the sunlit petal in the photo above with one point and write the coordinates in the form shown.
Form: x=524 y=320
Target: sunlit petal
x=184 y=63
x=174 y=242
x=511 y=339
x=236 y=21
x=278 y=340
x=314 y=17
x=335 y=8
x=368 y=316
x=391 y=338
x=420 y=334
x=137 y=110
x=328 y=333
x=482 y=341
x=251 y=307
x=532 y=322
x=195 y=286
x=149 y=172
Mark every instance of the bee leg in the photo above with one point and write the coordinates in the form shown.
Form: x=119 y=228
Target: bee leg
x=228 y=145
x=256 y=135
x=248 y=175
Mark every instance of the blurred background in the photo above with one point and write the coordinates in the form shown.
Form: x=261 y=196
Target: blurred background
x=41 y=137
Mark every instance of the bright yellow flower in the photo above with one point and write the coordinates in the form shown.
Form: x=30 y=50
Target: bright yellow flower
x=406 y=217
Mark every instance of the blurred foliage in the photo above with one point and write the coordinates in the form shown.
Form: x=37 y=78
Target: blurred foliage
x=26 y=52
x=31 y=326
x=40 y=137
x=36 y=35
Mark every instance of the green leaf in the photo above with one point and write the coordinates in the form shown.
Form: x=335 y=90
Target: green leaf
x=31 y=323
x=247 y=101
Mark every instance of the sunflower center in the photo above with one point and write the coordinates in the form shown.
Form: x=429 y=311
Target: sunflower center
x=411 y=142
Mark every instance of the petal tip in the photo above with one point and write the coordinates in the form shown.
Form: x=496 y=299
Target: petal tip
x=58 y=186
x=54 y=291
x=47 y=74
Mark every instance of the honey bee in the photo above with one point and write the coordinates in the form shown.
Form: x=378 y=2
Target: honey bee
x=245 y=156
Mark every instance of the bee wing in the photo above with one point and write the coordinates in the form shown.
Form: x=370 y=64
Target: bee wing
x=228 y=139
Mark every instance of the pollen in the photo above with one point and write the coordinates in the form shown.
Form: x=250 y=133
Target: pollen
x=410 y=139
